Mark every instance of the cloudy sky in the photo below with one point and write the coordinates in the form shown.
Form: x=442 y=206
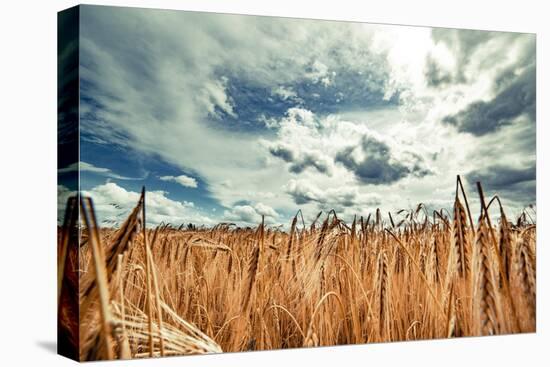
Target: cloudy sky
x=228 y=117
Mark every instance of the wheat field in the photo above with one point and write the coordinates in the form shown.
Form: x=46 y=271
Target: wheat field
x=133 y=292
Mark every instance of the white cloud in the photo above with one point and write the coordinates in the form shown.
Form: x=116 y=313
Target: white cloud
x=113 y=203
x=88 y=167
x=251 y=215
x=285 y=92
x=265 y=210
x=165 y=113
x=167 y=101
x=318 y=73
x=243 y=213
x=183 y=180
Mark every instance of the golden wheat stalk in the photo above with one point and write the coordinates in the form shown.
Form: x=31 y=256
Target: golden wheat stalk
x=100 y=275
x=363 y=282
x=487 y=286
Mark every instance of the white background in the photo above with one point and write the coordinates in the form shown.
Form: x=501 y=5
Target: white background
x=28 y=181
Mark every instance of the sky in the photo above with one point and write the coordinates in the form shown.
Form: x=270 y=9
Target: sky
x=225 y=118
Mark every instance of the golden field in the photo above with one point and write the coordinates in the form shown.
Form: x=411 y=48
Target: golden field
x=142 y=292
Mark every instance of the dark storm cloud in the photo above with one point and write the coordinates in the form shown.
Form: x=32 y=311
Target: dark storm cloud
x=435 y=75
x=463 y=40
x=518 y=184
x=526 y=58
x=286 y=154
x=462 y=44
x=377 y=166
x=516 y=99
x=311 y=159
x=467 y=46
x=339 y=198
x=302 y=194
x=501 y=177
x=300 y=161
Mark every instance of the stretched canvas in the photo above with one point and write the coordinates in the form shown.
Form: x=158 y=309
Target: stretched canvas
x=231 y=183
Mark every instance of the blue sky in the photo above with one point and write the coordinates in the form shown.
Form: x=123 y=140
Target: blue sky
x=227 y=117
